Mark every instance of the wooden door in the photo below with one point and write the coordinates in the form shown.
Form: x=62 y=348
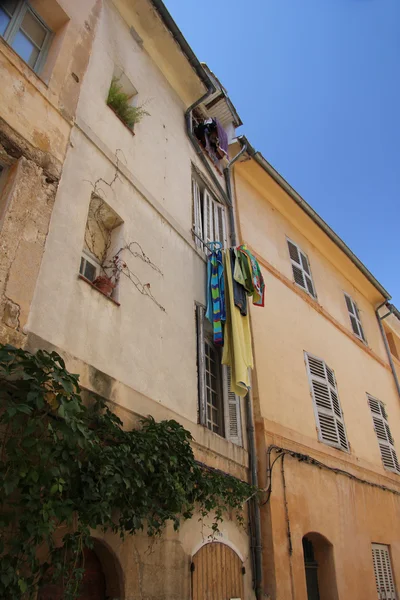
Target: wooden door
x=217 y=573
x=92 y=587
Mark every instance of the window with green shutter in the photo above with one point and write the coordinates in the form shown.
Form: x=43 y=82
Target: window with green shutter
x=327 y=408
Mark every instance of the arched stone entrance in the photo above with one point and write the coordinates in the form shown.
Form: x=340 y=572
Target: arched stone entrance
x=319 y=567
x=217 y=573
x=102 y=579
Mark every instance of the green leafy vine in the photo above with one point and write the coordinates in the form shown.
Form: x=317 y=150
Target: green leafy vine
x=65 y=463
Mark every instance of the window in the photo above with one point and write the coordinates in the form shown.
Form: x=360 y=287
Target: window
x=219 y=408
x=328 y=412
x=209 y=222
x=355 y=318
x=383 y=572
x=391 y=341
x=24 y=30
x=301 y=268
x=383 y=433
x=89 y=267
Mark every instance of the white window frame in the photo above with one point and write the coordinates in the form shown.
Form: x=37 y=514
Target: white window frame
x=14 y=26
x=90 y=258
x=383 y=434
x=383 y=572
x=327 y=407
x=230 y=405
x=355 y=319
x=209 y=218
x=301 y=269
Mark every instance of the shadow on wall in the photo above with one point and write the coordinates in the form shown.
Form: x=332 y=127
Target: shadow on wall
x=319 y=565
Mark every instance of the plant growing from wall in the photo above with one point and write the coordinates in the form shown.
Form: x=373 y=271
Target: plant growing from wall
x=70 y=467
x=120 y=102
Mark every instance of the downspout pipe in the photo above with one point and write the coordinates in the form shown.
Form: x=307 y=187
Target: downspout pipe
x=257 y=543
x=391 y=310
x=227 y=175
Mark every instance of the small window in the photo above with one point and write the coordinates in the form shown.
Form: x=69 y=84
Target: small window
x=24 y=30
x=89 y=268
x=383 y=572
x=301 y=269
x=209 y=217
x=328 y=412
x=384 y=435
x=390 y=338
x=355 y=319
x=219 y=408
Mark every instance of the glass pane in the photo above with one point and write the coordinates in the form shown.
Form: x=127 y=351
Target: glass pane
x=90 y=271
x=33 y=28
x=27 y=51
x=4 y=21
x=8 y=6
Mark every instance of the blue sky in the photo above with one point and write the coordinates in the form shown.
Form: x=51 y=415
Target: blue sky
x=317 y=85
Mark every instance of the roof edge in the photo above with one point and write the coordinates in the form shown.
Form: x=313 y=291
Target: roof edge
x=178 y=36
x=264 y=164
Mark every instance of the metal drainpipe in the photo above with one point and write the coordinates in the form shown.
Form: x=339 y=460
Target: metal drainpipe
x=391 y=309
x=257 y=547
x=227 y=175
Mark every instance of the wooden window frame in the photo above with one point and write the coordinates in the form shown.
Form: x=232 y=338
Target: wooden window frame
x=383 y=571
x=229 y=403
x=204 y=205
x=15 y=25
x=329 y=419
x=383 y=434
x=301 y=269
x=355 y=319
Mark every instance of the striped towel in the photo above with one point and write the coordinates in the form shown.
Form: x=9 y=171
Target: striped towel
x=216 y=296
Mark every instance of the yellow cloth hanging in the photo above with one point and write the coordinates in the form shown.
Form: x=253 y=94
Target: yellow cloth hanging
x=237 y=353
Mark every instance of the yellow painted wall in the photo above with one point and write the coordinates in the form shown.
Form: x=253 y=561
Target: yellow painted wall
x=350 y=515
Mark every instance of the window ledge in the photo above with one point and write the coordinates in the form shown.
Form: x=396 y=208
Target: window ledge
x=97 y=290
x=119 y=118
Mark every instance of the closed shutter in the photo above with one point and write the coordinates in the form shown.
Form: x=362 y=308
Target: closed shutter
x=301 y=269
x=327 y=407
x=384 y=435
x=233 y=417
x=197 y=217
x=220 y=224
x=201 y=370
x=208 y=218
x=354 y=318
x=383 y=572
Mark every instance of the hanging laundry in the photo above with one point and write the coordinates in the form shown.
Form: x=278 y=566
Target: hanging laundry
x=237 y=352
x=216 y=313
x=222 y=138
x=256 y=275
x=239 y=292
x=243 y=273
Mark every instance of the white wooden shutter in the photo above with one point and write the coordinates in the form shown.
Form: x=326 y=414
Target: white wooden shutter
x=328 y=412
x=384 y=435
x=301 y=268
x=201 y=370
x=354 y=318
x=208 y=218
x=220 y=224
x=232 y=414
x=383 y=572
x=197 y=216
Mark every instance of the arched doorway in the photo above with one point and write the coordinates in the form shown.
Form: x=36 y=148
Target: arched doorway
x=319 y=567
x=217 y=573
x=102 y=578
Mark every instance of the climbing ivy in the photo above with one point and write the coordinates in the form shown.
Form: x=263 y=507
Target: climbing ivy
x=69 y=466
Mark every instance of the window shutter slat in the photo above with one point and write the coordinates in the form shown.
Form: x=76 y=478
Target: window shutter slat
x=384 y=435
x=326 y=402
x=301 y=268
x=208 y=217
x=383 y=572
x=201 y=370
x=233 y=420
x=220 y=224
x=197 y=217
